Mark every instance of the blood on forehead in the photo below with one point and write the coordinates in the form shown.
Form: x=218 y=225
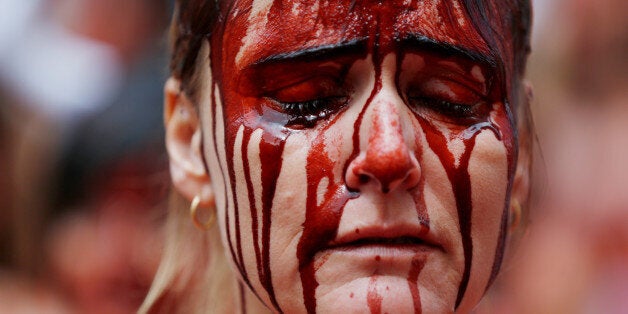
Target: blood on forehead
x=258 y=29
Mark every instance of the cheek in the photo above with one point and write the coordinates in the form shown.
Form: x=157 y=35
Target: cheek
x=488 y=170
x=288 y=215
x=310 y=178
x=311 y=172
x=474 y=255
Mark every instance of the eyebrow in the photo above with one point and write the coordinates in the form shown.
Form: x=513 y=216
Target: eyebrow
x=420 y=42
x=416 y=42
x=323 y=52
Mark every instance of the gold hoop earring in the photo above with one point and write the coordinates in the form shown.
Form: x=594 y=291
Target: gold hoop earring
x=515 y=213
x=193 y=213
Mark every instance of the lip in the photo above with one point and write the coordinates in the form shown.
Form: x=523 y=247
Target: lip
x=386 y=240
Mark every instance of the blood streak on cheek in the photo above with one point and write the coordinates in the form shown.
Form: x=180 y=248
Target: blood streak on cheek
x=231 y=177
x=321 y=222
x=271 y=147
x=419 y=192
x=321 y=219
x=509 y=138
x=252 y=204
x=217 y=68
x=461 y=183
x=413 y=278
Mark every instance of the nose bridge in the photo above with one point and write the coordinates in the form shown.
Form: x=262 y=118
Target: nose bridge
x=385 y=138
x=388 y=157
x=385 y=158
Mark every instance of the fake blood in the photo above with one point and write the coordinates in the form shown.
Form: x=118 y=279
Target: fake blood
x=413 y=282
x=377 y=22
x=373 y=297
x=321 y=221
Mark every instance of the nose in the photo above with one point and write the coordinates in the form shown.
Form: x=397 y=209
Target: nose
x=386 y=161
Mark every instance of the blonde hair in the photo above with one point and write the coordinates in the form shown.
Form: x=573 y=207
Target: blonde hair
x=194 y=273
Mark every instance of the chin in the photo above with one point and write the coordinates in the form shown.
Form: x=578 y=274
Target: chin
x=378 y=294
x=392 y=279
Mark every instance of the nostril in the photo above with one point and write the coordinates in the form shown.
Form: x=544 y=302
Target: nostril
x=364 y=178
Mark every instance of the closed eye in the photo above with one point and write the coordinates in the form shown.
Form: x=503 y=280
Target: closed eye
x=459 y=113
x=309 y=101
x=304 y=114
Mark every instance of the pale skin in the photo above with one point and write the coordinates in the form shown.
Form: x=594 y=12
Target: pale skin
x=375 y=160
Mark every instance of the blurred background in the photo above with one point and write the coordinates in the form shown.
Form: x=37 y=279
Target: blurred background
x=83 y=172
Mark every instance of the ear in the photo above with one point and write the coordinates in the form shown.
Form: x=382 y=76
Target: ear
x=521 y=183
x=183 y=142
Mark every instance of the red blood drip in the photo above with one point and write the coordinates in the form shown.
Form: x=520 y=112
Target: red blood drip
x=271 y=151
x=251 y=195
x=413 y=277
x=321 y=222
x=238 y=233
x=229 y=148
x=461 y=184
x=373 y=297
x=418 y=192
x=320 y=227
x=513 y=150
x=228 y=230
x=217 y=74
x=501 y=243
x=421 y=208
x=239 y=265
x=377 y=54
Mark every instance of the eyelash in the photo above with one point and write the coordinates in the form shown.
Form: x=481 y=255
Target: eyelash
x=308 y=113
x=451 y=110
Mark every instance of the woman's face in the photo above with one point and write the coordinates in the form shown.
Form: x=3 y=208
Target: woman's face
x=361 y=155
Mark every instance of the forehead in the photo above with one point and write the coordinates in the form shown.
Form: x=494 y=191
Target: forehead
x=258 y=29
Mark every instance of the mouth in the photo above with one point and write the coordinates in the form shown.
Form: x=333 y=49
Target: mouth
x=381 y=241
x=380 y=251
x=394 y=241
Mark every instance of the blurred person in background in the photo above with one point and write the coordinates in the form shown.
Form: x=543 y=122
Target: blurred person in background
x=88 y=77
x=575 y=258
x=21 y=288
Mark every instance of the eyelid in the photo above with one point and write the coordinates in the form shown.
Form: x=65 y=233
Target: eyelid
x=452 y=92
x=454 y=114
x=309 y=89
x=264 y=81
x=476 y=88
x=448 y=74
